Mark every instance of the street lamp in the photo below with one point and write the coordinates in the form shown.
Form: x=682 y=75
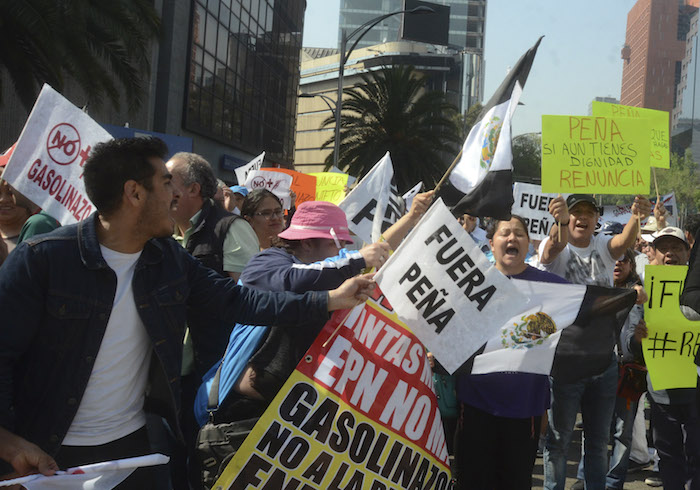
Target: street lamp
x=343 y=58
x=325 y=98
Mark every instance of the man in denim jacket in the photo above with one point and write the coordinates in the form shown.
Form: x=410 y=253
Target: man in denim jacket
x=93 y=318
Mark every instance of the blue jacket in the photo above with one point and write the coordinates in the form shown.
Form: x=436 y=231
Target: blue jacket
x=56 y=295
x=274 y=269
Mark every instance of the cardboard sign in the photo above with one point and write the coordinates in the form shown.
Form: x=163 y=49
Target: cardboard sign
x=47 y=162
x=673 y=340
x=374 y=204
x=330 y=186
x=304 y=185
x=659 y=152
x=243 y=171
x=533 y=205
x=446 y=290
x=595 y=155
x=359 y=413
x=276 y=182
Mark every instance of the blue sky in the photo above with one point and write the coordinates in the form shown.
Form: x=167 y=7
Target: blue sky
x=578 y=59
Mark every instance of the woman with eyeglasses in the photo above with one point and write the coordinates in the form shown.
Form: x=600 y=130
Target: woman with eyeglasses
x=263 y=210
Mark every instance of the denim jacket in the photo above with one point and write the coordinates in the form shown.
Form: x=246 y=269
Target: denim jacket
x=56 y=296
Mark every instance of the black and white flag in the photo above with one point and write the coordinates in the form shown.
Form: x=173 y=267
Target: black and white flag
x=485 y=171
x=568 y=331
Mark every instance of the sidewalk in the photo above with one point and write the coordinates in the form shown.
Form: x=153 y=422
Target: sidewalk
x=635 y=481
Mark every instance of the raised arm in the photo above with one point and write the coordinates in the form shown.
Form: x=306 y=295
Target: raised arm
x=396 y=232
x=559 y=233
x=619 y=243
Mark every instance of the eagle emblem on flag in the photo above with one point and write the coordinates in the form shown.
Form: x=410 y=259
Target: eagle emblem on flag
x=531 y=331
x=488 y=148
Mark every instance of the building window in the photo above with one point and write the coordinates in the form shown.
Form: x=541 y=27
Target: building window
x=244 y=72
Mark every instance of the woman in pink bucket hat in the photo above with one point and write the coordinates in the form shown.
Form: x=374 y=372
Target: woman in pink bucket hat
x=310 y=257
x=318 y=219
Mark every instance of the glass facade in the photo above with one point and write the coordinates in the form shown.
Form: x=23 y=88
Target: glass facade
x=244 y=73
x=467 y=20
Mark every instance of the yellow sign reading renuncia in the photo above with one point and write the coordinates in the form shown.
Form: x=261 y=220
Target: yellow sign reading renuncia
x=595 y=155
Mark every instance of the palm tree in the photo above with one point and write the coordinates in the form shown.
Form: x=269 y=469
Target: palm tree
x=101 y=44
x=391 y=111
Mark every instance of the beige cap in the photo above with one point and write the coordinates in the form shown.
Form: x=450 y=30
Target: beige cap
x=650 y=226
x=671 y=231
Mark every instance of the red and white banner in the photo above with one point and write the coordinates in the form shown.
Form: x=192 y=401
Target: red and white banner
x=359 y=412
x=47 y=162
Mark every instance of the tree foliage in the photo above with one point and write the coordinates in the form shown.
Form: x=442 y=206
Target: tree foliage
x=391 y=111
x=682 y=178
x=466 y=120
x=101 y=44
x=527 y=158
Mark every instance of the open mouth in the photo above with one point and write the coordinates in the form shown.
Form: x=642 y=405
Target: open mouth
x=512 y=251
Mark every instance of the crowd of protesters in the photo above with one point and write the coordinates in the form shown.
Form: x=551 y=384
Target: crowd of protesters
x=189 y=299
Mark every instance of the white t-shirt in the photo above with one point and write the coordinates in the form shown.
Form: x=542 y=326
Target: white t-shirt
x=112 y=406
x=591 y=265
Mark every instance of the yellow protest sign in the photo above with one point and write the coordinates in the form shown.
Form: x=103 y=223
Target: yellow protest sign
x=330 y=186
x=670 y=348
x=359 y=413
x=659 y=151
x=595 y=155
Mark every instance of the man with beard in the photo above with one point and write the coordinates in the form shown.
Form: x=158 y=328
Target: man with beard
x=94 y=318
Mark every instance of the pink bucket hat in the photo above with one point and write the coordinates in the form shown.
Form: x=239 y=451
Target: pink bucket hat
x=318 y=219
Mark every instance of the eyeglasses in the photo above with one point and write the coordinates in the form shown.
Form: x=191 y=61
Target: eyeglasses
x=268 y=213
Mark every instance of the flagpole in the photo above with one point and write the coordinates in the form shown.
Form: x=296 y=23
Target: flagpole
x=656 y=184
x=447 y=173
x=559 y=226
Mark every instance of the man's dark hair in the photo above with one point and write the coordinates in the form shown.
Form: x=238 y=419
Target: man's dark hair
x=254 y=199
x=493 y=226
x=114 y=162
x=692 y=223
x=197 y=170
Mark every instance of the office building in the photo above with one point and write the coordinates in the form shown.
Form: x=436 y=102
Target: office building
x=467 y=28
x=467 y=21
x=225 y=74
x=653 y=52
x=608 y=100
x=319 y=76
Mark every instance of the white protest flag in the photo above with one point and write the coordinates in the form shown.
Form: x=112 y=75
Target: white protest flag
x=97 y=476
x=412 y=192
x=47 y=162
x=373 y=205
x=276 y=182
x=485 y=170
x=533 y=205
x=443 y=287
x=566 y=330
x=243 y=171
